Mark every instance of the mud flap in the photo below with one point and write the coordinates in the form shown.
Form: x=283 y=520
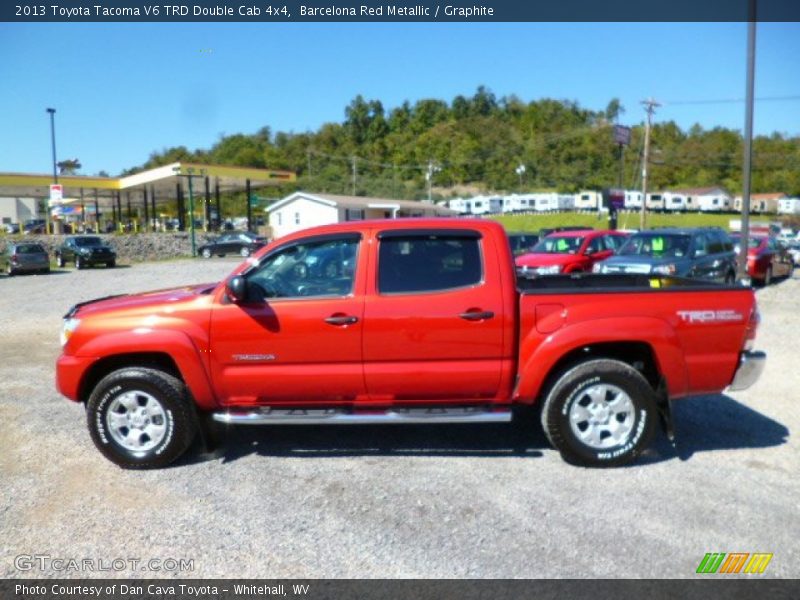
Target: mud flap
x=665 y=412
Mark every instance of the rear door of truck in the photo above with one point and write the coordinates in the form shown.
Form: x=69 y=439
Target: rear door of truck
x=434 y=317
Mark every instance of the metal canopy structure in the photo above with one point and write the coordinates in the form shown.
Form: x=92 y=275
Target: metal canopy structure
x=142 y=193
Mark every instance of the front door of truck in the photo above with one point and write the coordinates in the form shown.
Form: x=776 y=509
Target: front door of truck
x=433 y=320
x=297 y=336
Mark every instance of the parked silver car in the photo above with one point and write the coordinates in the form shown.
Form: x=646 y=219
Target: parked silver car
x=26 y=257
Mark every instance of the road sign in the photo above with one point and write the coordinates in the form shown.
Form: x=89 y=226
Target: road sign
x=56 y=193
x=622 y=135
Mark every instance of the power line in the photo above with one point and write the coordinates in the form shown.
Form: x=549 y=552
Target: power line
x=732 y=100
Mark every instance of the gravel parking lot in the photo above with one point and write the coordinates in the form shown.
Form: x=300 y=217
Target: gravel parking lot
x=413 y=501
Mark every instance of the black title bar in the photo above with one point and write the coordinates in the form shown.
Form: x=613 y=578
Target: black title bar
x=710 y=588
x=277 y=11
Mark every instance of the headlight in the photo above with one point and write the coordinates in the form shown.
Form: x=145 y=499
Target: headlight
x=664 y=269
x=551 y=270
x=67 y=329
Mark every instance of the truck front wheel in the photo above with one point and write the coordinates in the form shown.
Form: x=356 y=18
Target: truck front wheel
x=141 y=418
x=600 y=413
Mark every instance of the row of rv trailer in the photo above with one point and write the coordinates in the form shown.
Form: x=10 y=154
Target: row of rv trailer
x=713 y=200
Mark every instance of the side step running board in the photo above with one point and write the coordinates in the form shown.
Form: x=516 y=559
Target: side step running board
x=291 y=416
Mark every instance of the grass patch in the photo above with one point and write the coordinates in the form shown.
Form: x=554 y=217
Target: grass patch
x=625 y=220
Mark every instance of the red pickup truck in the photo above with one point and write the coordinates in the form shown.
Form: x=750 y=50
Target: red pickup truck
x=403 y=321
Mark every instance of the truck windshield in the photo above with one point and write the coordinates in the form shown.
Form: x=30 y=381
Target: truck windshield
x=88 y=241
x=656 y=245
x=558 y=245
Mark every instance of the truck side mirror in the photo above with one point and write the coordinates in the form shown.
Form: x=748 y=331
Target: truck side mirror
x=236 y=288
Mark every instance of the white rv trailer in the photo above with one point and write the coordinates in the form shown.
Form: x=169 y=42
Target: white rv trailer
x=674 y=201
x=588 y=200
x=714 y=202
x=633 y=199
x=566 y=202
x=789 y=206
x=655 y=201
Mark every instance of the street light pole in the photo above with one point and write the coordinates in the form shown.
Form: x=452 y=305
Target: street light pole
x=520 y=171
x=52 y=112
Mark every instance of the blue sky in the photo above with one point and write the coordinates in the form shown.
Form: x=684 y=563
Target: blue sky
x=122 y=91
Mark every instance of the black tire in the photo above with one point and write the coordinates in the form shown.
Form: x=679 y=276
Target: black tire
x=111 y=264
x=174 y=421
x=60 y=262
x=635 y=413
x=206 y=253
x=79 y=264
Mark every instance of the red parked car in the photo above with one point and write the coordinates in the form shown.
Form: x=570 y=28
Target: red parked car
x=569 y=252
x=766 y=258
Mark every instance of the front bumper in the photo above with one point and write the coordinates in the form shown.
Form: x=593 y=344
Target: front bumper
x=751 y=365
x=70 y=371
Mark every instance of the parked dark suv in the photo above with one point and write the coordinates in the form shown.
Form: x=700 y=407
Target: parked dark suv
x=701 y=253
x=85 y=251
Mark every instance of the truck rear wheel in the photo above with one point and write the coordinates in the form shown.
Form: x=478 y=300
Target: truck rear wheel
x=141 y=418
x=600 y=413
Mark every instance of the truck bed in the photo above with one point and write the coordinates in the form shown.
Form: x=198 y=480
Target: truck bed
x=694 y=330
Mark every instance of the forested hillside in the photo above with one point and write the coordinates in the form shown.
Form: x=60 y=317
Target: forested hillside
x=478 y=142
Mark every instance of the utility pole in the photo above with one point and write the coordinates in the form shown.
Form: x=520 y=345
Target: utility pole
x=429 y=176
x=355 y=173
x=650 y=106
x=748 y=142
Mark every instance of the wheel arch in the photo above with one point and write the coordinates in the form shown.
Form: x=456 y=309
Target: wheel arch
x=160 y=361
x=650 y=347
x=636 y=354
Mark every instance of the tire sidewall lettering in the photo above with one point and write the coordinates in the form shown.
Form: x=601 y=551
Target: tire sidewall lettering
x=168 y=437
x=641 y=423
x=640 y=416
x=576 y=394
x=101 y=426
x=100 y=413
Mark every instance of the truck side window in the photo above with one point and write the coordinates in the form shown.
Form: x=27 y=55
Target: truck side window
x=312 y=269
x=428 y=263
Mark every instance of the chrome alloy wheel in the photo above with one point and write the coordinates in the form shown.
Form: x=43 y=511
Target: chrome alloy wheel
x=136 y=421
x=602 y=416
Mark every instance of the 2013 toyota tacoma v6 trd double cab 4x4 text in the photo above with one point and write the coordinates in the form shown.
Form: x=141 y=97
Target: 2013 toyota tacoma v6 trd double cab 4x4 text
x=403 y=321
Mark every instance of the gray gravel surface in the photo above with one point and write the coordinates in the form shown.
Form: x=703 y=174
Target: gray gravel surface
x=412 y=501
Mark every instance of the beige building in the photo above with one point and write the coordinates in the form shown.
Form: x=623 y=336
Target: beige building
x=761 y=203
x=301 y=210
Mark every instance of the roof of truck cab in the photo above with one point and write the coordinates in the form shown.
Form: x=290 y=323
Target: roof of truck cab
x=403 y=223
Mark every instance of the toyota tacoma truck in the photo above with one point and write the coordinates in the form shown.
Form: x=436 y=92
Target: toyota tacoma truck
x=403 y=321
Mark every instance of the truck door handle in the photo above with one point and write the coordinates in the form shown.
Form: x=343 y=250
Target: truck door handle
x=341 y=320
x=476 y=315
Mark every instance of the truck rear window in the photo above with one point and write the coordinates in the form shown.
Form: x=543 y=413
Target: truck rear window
x=428 y=263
